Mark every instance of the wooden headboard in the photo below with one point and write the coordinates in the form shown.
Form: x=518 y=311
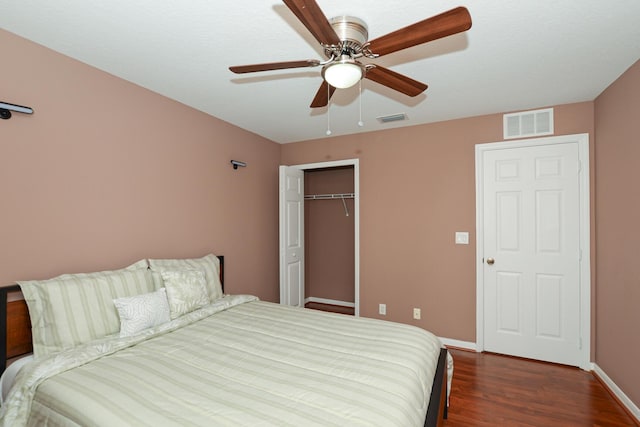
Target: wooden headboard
x=15 y=324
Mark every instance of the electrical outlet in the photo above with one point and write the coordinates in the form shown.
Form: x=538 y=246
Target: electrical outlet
x=416 y=313
x=382 y=309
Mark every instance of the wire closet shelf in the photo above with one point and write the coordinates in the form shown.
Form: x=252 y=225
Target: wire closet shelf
x=340 y=196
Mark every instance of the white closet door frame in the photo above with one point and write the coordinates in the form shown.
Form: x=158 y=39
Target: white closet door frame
x=585 y=232
x=356 y=213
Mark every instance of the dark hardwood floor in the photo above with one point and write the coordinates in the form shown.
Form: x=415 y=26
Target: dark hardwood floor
x=330 y=307
x=495 y=390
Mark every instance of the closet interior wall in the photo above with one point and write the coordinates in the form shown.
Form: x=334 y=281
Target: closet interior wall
x=329 y=235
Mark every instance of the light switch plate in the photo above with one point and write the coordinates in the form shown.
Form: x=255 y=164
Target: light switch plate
x=462 y=237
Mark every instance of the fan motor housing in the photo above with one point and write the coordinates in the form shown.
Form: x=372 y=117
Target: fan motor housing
x=351 y=31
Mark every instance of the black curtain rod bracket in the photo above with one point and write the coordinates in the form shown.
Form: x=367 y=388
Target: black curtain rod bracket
x=6 y=109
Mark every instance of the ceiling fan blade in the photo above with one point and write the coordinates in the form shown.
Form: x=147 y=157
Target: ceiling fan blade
x=323 y=95
x=241 y=69
x=395 y=81
x=310 y=14
x=448 y=23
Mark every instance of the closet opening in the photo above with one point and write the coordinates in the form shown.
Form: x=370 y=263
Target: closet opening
x=319 y=235
x=329 y=230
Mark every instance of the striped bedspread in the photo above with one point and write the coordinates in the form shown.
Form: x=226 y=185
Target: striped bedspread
x=240 y=362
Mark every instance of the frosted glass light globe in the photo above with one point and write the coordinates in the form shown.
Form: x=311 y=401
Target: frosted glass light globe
x=342 y=75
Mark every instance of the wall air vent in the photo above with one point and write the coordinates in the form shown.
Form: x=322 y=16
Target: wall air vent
x=392 y=118
x=528 y=123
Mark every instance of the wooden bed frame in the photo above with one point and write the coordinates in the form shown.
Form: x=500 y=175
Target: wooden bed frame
x=15 y=340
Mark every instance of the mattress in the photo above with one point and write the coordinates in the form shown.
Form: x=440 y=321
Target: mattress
x=237 y=362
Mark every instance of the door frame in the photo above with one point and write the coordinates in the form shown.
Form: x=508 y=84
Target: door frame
x=356 y=214
x=585 y=234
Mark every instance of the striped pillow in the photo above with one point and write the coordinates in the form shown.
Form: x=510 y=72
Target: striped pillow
x=209 y=264
x=74 y=309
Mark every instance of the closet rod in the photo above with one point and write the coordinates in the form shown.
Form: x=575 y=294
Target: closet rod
x=329 y=196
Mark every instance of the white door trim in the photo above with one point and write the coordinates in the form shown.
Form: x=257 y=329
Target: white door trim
x=585 y=235
x=356 y=213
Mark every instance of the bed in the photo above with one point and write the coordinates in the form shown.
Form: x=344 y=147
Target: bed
x=233 y=361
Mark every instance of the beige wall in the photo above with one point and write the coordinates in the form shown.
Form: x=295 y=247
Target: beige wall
x=618 y=235
x=105 y=173
x=329 y=236
x=417 y=188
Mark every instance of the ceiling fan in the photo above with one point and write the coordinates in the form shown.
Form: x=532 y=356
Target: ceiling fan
x=345 y=40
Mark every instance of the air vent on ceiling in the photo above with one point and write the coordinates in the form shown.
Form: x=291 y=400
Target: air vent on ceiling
x=392 y=118
x=528 y=123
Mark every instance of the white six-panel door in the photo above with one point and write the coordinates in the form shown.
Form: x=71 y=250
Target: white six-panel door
x=531 y=267
x=291 y=236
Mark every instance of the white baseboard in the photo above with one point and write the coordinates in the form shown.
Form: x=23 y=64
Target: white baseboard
x=466 y=345
x=330 y=302
x=631 y=407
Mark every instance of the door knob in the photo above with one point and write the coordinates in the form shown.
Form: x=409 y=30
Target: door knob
x=490 y=261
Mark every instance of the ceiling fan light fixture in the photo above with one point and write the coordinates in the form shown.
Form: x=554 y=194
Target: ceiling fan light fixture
x=346 y=39
x=342 y=74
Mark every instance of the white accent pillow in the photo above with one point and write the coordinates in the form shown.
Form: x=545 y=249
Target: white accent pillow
x=141 y=312
x=186 y=291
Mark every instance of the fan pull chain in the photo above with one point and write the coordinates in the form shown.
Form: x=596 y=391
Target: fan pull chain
x=360 y=122
x=328 y=110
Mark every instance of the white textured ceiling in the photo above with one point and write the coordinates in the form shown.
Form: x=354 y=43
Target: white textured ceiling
x=519 y=54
